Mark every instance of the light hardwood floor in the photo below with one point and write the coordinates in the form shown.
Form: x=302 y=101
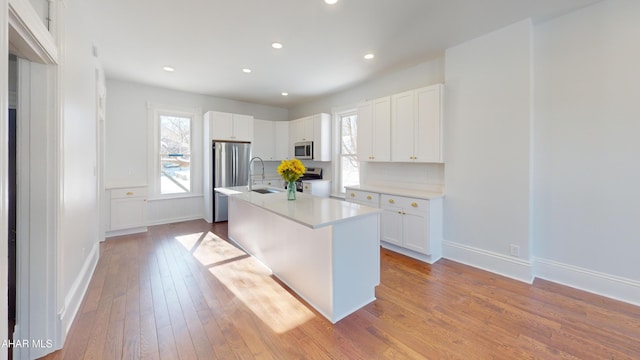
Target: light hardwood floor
x=181 y=291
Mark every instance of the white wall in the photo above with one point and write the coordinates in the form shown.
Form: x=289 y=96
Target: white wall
x=126 y=139
x=487 y=150
x=587 y=159
x=77 y=235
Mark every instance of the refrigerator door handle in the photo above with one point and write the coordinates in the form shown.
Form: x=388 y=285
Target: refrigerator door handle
x=235 y=165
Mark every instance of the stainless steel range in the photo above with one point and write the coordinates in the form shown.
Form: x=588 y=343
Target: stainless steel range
x=310 y=174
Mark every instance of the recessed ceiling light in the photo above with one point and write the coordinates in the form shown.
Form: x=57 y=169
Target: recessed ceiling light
x=369 y=56
x=276 y=45
x=331 y=2
x=168 y=68
x=285 y=94
x=246 y=71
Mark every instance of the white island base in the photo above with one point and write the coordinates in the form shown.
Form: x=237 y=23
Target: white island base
x=333 y=266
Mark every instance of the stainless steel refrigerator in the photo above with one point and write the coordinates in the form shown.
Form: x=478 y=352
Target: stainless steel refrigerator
x=230 y=168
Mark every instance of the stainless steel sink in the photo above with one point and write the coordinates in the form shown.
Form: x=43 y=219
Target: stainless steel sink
x=265 y=191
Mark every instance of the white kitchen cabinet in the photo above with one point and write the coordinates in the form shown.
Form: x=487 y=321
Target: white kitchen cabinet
x=374 y=127
x=416 y=125
x=408 y=225
x=230 y=127
x=263 y=144
x=319 y=188
x=302 y=129
x=363 y=197
x=281 y=140
x=316 y=128
x=405 y=222
x=128 y=208
x=271 y=140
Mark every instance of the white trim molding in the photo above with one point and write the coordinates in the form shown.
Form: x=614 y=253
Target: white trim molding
x=78 y=289
x=611 y=286
x=510 y=267
x=30 y=38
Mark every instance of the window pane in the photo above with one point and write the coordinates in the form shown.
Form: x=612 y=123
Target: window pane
x=175 y=154
x=349 y=134
x=350 y=173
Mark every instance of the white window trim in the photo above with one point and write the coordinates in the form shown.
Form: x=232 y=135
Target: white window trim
x=337 y=155
x=153 y=114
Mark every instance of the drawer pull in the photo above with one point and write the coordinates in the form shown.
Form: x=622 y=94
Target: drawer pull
x=129 y=193
x=414 y=204
x=391 y=201
x=368 y=197
x=306 y=186
x=353 y=195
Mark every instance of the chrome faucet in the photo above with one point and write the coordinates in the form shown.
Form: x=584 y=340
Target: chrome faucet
x=251 y=170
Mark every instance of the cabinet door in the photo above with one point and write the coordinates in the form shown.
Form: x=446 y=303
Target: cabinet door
x=282 y=140
x=222 y=126
x=365 y=131
x=307 y=129
x=403 y=133
x=416 y=235
x=296 y=131
x=428 y=124
x=242 y=127
x=391 y=226
x=381 y=137
x=128 y=213
x=263 y=144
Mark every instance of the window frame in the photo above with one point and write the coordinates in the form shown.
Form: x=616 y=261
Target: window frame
x=154 y=113
x=338 y=156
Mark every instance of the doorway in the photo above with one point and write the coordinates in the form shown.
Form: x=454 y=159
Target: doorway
x=12 y=222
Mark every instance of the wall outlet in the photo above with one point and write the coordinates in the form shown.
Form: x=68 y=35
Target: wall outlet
x=514 y=250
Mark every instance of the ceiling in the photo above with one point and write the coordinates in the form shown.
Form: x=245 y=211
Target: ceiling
x=209 y=42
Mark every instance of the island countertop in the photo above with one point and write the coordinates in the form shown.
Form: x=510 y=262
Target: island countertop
x=307 y=210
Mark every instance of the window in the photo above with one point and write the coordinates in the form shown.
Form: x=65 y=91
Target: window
x=349 y=175
x=174 y=154
x=173 y=169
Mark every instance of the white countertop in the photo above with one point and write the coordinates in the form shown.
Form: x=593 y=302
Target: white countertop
x=311 y=211
x=419 y=194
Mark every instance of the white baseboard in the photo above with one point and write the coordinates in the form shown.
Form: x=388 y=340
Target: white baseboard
x=429 y=259
x=174 y=220
x=73 y=299
x=517 y=269
x=122 y=232
x=614 y=287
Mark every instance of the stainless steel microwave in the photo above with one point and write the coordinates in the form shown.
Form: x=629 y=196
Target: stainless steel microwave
x=303 y=150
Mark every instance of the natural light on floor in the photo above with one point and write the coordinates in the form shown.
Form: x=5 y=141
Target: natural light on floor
x=248 y=280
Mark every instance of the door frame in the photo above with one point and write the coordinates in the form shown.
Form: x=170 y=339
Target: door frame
x=38 y=154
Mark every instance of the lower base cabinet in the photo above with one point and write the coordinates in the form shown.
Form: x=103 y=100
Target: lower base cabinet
x=405 y=222
x=411 y=226
x=128 y=209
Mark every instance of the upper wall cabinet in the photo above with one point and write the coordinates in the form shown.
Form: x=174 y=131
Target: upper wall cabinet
x=230 y=127
x=316 y=128
x=301 y=129
x=374 y=124
x=271 y=140
x=416 y=125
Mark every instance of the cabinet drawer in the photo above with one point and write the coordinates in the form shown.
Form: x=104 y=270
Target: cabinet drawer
x=129 y=193
x=363 y=197
x=405 y=203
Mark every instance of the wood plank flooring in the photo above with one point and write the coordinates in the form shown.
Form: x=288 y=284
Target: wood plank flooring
x=181 y=291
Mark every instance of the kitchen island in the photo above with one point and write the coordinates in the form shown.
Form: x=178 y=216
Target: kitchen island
x=326 y=250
